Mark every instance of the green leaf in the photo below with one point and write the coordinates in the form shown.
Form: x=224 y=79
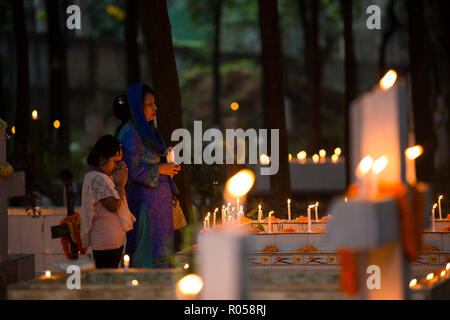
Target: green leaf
x=252 y=212
x=260 y=227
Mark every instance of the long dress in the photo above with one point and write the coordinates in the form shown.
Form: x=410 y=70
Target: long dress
x=150 y=200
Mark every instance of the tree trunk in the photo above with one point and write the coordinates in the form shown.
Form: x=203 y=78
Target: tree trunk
x=315 y=76
x=59 y=107
x=350 y=90
x=131 y=45
x=22 y=121
x=273 y=97
x=216 y=62
x=165 y=79
x=423 y=124
x=387 y=35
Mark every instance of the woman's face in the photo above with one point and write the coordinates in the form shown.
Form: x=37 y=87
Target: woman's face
x=109 y=165
x=149 y=107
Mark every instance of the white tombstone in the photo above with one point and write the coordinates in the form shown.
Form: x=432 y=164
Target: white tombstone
x=371 y=227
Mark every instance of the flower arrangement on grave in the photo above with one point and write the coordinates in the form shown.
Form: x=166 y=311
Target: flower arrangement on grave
x=446 y=229
x=320 y=230
x=429 y=248
x=307 y=249
x=289 y=229
x=269 y=249
x=73 y=223
x=300 y=219
x=272 y=219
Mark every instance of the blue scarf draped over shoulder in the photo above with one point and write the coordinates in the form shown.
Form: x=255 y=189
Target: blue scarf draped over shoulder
x=150 y=135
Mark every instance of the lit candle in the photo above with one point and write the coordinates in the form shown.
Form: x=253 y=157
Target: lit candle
x=270 y=221
x=322 y=154
x=309 y=218
x=378 y=166
x=363 y=168
x=48 y=274
x=207 y=218
x=289 y=157
x=223 y=214
x=237 y=203
x=337 y=151
x=289 y=209
x=126 y=262
x=301 y=156
x=334 y=158
x=315 y=158
x=316 y=213
x=204 y=224
x=433 y=218
x=214 y=218
x=259 y=213
x=413 y=283
x=439 y=204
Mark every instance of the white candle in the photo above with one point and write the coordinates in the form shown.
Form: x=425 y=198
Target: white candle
x=126 y=262
x=289 y=209
x=223 y=214
x=309 y=218
x=237 y=203
x=207 y=219
x=214 y=218
x=433 y=218
x=204 y=224
x=439 y=204
x=316 y=213
x=270 y=221
x=259 y=213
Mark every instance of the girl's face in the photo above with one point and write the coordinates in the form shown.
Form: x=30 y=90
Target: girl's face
x=149 y=107
x=109 y=165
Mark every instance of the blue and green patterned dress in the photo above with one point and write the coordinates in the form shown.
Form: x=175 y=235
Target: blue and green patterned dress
x=149 y=196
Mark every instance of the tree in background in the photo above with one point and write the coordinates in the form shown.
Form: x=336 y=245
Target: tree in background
x=23 y=81
x=423 y=123
x=131 y=44
x=273 y=99
x=350 y=83
x=165 y=80
x=58 y=91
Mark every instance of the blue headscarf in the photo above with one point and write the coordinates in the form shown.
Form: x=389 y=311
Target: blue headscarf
x=149 y=134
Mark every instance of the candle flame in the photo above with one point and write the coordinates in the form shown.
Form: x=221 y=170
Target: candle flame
x=414 y=152
x=440 y=197
x=13 y=129
x=435 y=205
x=334 y=158
x=34 y=114
x=311 y=206
x=259 y=207
x=126 y=258
x=337 y=151
x=430 y=276
x=234 y=106
x=322 y=153
x=264 y=159
x=134 y=282
x=447 y=267
x=217 y=209
x=186 y=266
x=345 y=199
x=413 y=283
x=48 y=274
x=317 y=204
x=365 y=165
x=241 y=183
x=56 y=124
x=388 y=80
x=289 y=157
x=271 y=212
x=289 y=201
x=443 y=273
x=191 y=284
x=315 y=158
x=380 y=164
x=301 y=155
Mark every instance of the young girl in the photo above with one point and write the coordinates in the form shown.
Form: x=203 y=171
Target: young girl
x=105 y=217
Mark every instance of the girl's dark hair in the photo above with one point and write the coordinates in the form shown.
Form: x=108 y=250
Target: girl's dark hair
x=121 y=110
x=147 y=89
x=106 y=147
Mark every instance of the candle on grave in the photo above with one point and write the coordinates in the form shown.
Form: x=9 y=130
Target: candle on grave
x=289 y=209
x=433 y=218
x=439 y=204
x=259 y=213
x=204 y=224
x=223 y=214
x=214 y=218
x=301 y=156
x=316 y=213
x=270 y=221
x=309 y=218
x=237 y=203
x=126 y=262
x=411 y=154
x=362 y=170
x=378 y=166
x=315 y=158
x=208 y=219
x=322 y=154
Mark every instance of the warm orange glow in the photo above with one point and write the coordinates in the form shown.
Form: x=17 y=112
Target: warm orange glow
x=289 y=157
x=289 y=201
x=435 y=205
x=413 y=283
x=126 y=260
x=241 y=183
x=186 y=266
x=447 y=267
x=365 y=165
x=337 y=151
x=190 y=285
x=34 y=114
x=430 y=276
x=56 y=124
x=13 y=129
x=345 y=199
x=264 y=159
x=134 y=282
x=440 y=197
x=414 y=152
x=47 y=274
x=234 y=106
x=334 y=158
x=380 y=164
x=443 y=273
x=322 y=153
x=388 y=80
x=315 y=158
x=301 y=155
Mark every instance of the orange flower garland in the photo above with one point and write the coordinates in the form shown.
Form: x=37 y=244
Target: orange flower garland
x=73 y=223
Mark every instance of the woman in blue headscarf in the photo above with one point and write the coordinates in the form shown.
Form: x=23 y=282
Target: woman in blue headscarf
x=150 y=188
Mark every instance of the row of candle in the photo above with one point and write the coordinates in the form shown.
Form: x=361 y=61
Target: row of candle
x=229 y=216
x=301 y=157
x=431 y=278
x=433 y=213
